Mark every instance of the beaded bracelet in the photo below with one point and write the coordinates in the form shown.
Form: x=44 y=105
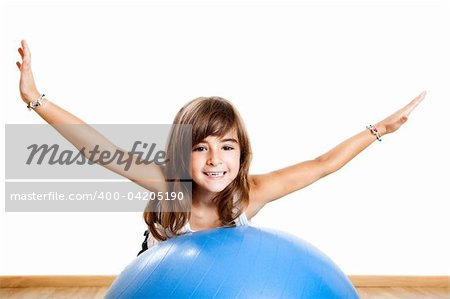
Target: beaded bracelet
x=374 y=131
x=32 y=105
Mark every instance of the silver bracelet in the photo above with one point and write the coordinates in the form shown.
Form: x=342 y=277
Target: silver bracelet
x=38 y=102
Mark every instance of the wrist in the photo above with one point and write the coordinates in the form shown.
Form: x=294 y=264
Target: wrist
x=34 y=104
x=374 y=131
x=381 y=128
x=32 y=97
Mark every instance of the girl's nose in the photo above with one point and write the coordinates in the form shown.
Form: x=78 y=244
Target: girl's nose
x=214 y=158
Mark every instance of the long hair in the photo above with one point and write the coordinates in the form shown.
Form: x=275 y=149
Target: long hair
x=206 y=116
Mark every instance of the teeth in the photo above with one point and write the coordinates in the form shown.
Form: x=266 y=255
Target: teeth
x=215 y=173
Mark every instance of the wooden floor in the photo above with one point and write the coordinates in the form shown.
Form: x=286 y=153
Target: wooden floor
x=403 y=293
x=99 y=292
x=53 y=292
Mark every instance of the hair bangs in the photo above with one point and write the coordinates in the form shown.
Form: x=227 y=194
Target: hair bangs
x=217 y=122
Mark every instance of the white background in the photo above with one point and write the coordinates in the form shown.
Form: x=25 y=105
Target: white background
x=304 y=75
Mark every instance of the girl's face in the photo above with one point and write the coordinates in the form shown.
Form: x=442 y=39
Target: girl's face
x=215 y=162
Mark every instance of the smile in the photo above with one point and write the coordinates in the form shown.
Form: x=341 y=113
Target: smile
x=215 y=174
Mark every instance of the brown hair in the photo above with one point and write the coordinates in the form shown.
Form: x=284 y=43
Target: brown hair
x=208 y=116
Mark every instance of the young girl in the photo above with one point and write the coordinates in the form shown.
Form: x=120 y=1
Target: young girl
x=223 y=192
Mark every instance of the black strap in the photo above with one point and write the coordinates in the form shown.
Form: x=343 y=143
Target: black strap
x=144 y=244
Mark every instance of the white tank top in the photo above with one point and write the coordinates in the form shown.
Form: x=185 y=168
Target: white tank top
x=240 y=221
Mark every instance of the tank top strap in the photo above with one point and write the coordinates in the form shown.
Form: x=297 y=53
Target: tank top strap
x=187 y=228
x=243 y=220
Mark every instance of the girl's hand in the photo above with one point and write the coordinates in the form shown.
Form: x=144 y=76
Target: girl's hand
x=28 y=90
x=396 y=120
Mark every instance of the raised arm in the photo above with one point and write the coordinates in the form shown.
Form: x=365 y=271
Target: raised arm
x=82 y=135
x=276 y=184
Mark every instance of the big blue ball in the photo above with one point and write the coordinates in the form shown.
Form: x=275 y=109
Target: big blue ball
x=238 y=262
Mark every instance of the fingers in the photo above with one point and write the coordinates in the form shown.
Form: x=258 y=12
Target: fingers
x=416 y=101
x=424 y=93
x=26 y=50
x=419 y=98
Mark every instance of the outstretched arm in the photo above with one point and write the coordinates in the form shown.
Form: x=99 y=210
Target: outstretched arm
x=274 y=185
x=82 y=135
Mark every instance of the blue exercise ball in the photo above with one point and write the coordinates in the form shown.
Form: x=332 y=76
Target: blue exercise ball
x=237 y=262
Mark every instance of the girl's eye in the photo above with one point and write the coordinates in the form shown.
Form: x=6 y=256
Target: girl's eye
x=228 y=148
x=199 y=149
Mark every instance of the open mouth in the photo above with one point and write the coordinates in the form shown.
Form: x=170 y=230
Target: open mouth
x=215 y=174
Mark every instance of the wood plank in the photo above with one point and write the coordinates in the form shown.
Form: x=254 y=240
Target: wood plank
x=53 y=292
x=56 y=281
x=106 y=280
x=100 y=292
x=404 y=293
x=400 y=281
